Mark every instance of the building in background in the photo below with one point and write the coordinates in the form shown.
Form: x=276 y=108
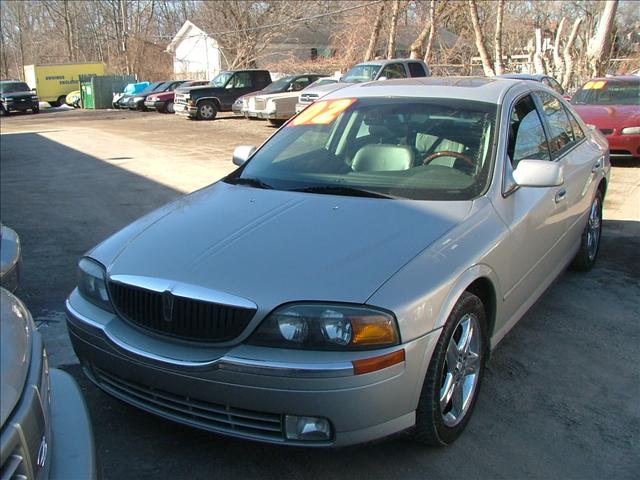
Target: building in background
x=196 y=56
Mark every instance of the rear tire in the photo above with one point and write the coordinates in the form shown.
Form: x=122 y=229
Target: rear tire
x=586 y=257
x=453 y=379
x=206 y=110
x=276 y=123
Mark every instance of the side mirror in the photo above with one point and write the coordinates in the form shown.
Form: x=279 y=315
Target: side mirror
x=538 y=173
x=242 y=153
x=35 y=92
x=382 y=78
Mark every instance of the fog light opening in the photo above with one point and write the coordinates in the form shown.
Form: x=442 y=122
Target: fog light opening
x=307 y=428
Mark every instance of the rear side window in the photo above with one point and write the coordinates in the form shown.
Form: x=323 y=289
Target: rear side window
x=416 y=70
x=394 y=70
x=527 y=139
x=242 y=80
x=560 y=131
x=578 y=133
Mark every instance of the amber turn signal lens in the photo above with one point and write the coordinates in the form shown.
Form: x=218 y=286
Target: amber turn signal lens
x=368 y=365
x=373 y=330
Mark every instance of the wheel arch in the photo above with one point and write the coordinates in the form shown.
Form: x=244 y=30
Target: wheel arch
x=215 y=100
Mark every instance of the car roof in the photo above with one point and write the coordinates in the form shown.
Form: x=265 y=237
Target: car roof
x=484 y=89
x=524 y=76
x=384 y=61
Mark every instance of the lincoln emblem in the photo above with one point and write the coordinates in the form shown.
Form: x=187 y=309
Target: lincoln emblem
x=167 y=306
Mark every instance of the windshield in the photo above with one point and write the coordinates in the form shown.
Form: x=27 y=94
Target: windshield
x=361 y=73
x=221 y=79
x=438 y=149
x=278 y=85
x=152 y=87
x=13 y=87
x=602 y=92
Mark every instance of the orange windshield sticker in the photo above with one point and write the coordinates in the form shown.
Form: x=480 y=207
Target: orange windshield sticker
x=323 y=112
x=598 y=85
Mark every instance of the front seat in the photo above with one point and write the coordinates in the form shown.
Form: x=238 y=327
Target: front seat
x=382 y=158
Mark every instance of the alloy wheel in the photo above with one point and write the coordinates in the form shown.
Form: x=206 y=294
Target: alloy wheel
x=461 y=371
x=594 y=228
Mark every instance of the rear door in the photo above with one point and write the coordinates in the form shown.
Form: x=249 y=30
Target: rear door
x=580 y=160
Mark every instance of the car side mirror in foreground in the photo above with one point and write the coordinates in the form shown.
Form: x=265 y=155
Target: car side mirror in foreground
x=538 y=173
x=242 y=153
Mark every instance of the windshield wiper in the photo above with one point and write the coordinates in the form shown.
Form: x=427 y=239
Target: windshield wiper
x=252 y=182
x=342 y=190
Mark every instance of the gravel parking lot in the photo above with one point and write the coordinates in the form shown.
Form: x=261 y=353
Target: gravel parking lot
x=561 y=394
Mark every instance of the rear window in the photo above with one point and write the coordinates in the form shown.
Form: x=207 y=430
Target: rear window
x=604 y=92
x=417 y=70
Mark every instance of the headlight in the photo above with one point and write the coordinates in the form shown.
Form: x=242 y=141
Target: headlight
x=327 y=327
x=34 y=98
x=137 y=99
x=91 y=283
x=630 y=131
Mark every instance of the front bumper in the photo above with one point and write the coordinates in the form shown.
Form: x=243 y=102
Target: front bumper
x=624 y=146
x=150 y=105
x=19 y=105
x=246 y=391
x=185 y=110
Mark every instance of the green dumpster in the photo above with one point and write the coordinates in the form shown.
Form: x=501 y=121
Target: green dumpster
x=97 y=91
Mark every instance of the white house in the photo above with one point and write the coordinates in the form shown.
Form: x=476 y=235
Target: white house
x=196 y=55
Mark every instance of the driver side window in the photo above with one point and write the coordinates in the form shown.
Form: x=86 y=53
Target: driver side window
x=527 y=139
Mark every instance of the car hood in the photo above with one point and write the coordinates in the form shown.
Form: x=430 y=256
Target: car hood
x=322 y=90
x=15 y=335
x=161 y=96
x=203 y=88
x=15 y=95
x=275 y=96
x=273 y=247
x=609 y=116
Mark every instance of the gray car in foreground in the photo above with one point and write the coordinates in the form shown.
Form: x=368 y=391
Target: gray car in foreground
x=349 y=280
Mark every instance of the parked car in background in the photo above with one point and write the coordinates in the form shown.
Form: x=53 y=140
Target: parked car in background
x=253 y=105
x=203 y=103
x=129 y=90
x=17 y=97
x=10 y=256
x=448 y=205
x=136 y=102
x=123 y=101
x=366 y=72
x=163 y=102
x=547 y=80
x=74 y=99
x=612 y=105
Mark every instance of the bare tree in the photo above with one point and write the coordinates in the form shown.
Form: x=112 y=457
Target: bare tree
x=568 y=56
x=600 y=43
x=498 y=39
x=392 y=29
x=558 y=61
x=375 y=34
x=480 y=45
x=428 y=32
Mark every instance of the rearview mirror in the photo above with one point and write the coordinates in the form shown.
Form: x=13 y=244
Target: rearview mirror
x=242 y=153
x=538 y=173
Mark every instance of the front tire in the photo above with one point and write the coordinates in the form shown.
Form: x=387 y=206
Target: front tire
x=168 y=108
x=206 y=110
x=454 y=375
x=35 y=109
x=586 y=257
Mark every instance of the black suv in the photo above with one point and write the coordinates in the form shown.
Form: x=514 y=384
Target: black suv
x=205 y=102
x=18 y=96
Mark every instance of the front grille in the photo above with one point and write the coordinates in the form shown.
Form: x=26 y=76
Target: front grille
x=181 y=98
x=607 y=131
x=308 y=98
x=197 y=413
x=260 y=104
x=189 y=319
x=14 y=467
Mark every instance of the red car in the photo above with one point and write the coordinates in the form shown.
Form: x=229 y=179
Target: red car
x=163 y=102
x=612 y=105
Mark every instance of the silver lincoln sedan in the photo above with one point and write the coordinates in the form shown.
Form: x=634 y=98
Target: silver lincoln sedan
x=351 y=277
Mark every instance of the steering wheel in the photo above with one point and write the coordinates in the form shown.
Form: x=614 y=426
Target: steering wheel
x=448 y=153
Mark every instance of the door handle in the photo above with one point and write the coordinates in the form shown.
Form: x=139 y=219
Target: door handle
x=596 y=166
x=560 y=196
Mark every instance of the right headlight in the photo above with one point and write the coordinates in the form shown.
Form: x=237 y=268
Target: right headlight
x=319 y=326
x=92 y=284
x=630 y=131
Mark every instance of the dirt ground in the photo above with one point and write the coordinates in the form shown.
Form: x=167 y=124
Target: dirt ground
x=561 y=394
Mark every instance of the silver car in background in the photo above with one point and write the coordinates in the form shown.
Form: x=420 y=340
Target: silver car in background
x=349 y=280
